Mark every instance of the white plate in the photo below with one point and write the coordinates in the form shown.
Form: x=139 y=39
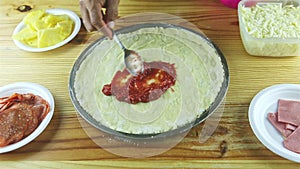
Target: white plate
x=263 y=103
x=72 y=15
x=23 y=88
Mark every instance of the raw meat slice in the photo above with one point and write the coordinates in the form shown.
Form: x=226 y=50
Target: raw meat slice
x=289 y=111
x=292 y=141
x=12 y=126
x=290 y=127
x=20 y=115
x=281 y=127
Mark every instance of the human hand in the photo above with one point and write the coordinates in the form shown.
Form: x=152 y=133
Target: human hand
x=93 y=16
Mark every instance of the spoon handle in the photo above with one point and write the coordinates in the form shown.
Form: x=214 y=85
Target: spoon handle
x=116 y=39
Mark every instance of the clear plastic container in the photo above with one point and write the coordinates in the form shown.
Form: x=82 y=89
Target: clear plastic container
x=270 y=46
x=231 y=3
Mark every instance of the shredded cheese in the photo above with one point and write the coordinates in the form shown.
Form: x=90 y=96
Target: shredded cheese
x=272 y=20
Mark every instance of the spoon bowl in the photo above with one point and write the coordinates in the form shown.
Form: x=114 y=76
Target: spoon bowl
x=132 y=59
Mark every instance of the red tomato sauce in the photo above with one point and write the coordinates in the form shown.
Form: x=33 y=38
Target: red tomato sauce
x=155 y=80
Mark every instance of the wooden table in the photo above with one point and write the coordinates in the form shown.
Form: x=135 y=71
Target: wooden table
x=64 y=144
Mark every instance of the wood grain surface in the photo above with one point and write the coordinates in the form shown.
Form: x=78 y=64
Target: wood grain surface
x=64 y=144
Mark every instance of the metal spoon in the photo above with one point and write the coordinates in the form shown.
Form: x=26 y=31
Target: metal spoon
x=132 y=59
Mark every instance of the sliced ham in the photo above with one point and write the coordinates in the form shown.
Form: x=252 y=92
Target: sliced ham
x=289 y=111
x=281 y=127
x=290 y=127
x=292 y=142
x=287 y=122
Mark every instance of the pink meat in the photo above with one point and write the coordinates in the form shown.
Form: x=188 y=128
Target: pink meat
x=290 y=127
x=292 y=141
x=281 y=127
x=289 y=111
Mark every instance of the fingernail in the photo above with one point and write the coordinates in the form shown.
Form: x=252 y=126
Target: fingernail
x=111 y=24
x=106 y=31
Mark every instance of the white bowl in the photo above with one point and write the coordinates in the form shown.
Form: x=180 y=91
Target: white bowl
x=264 y=102
x=23 y=88
x=72 y=15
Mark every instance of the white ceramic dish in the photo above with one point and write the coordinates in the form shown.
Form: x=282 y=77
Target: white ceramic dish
x=27 y=87
x=72 y=15
x=263 y=103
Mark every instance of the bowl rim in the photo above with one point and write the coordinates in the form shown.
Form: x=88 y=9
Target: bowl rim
x=179 y=130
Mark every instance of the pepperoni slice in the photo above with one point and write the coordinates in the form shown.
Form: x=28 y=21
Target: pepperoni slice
x=13 y=123
x=20 y=115
x=32 y=118
x=41 y=108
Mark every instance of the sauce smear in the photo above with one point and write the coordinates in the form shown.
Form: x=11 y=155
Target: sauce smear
x=155 y=80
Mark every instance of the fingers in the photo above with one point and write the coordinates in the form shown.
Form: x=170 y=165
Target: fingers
x=107 y=31
x=85 y=17
x=111 y=10
x=93 y=18
x=96 y=17
x=91 y=15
